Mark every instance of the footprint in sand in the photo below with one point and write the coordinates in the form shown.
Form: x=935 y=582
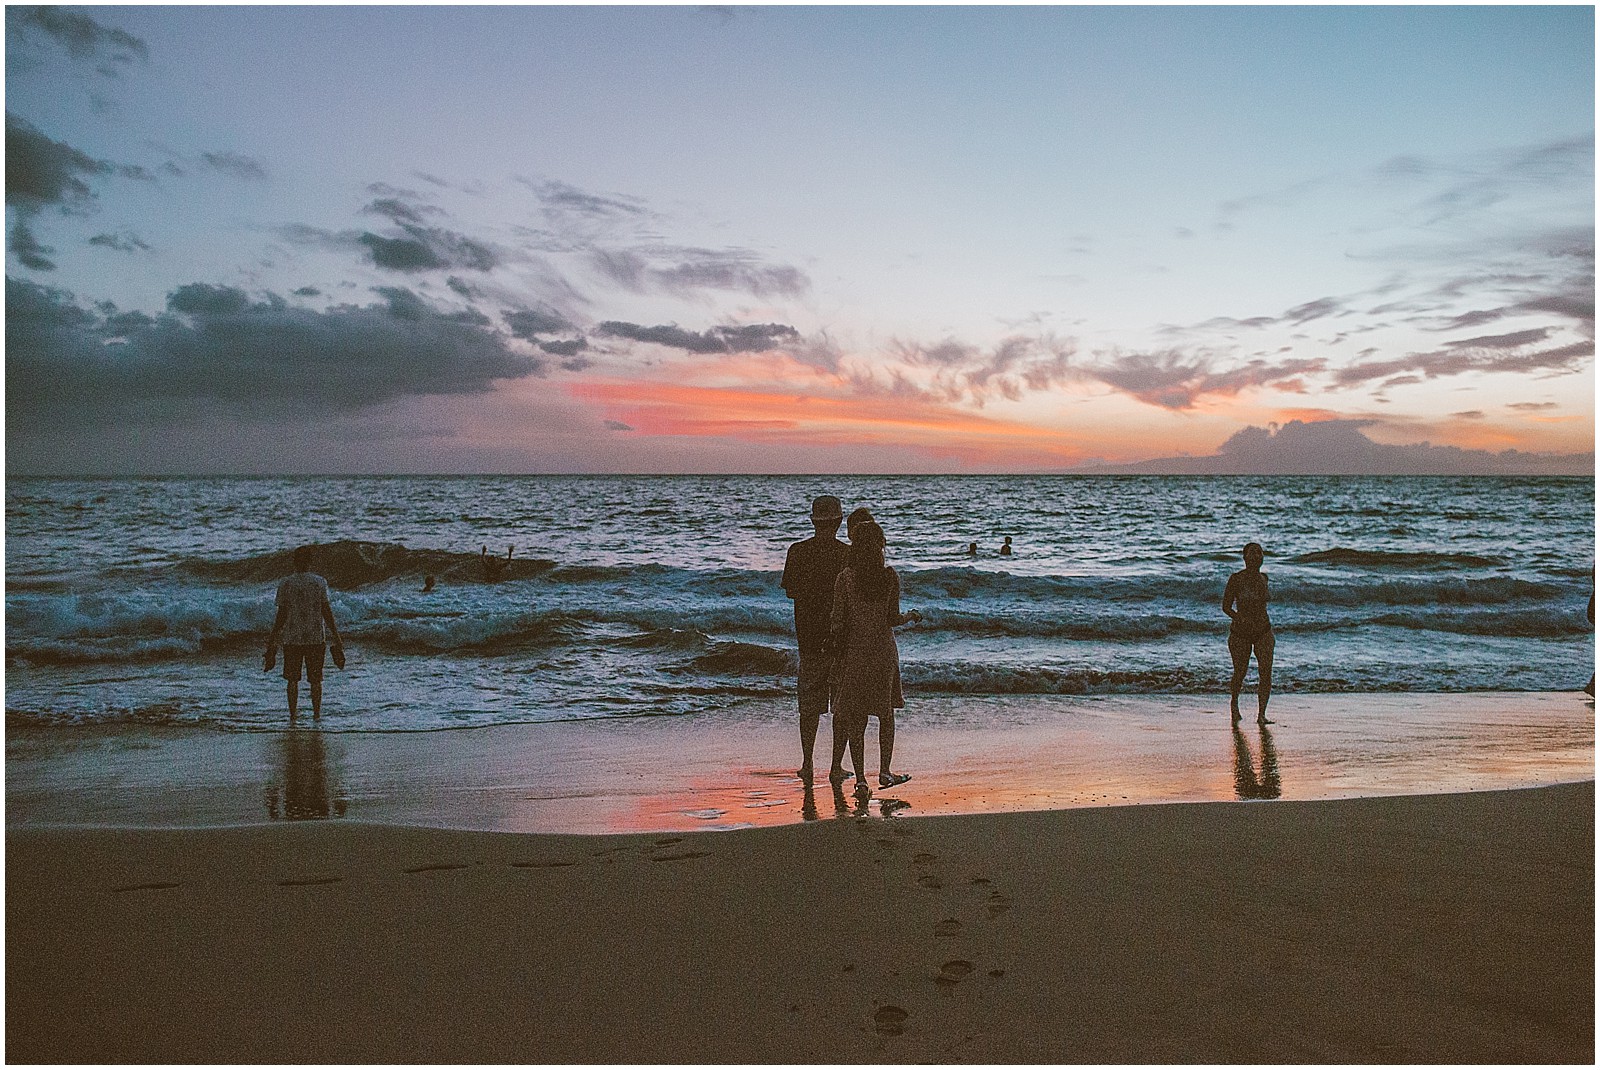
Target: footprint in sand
x=982 y=882
x=947 y=927
x=679 y=856
x=309 y=881
x=890 y=1021
x=923 y=858
x=669 y=841
x=998 y=904
x=952 y=973
x=541 y=865
x=927 y=880
x=153 y=885
x=436 y=866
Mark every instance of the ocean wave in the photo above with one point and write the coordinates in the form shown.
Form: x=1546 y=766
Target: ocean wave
x=1340 y=555
x=986 y=678
x=349 y=564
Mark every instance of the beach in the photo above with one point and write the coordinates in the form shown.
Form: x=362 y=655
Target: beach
x=1405 y=898
x=1412 y=929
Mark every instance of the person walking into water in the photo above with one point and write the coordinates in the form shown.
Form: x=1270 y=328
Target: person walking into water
x=809 y=572
x=303 y=613
x=866 y=609
x=1245 y=601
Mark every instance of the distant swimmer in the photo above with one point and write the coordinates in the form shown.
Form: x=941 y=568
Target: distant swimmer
x=427 y=583
x=493 y=567
x=1245 y=601
x=303 y=613
x=972 y=549
x=1005 y=549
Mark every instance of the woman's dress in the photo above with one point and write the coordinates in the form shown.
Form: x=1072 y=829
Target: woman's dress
x=866 y=675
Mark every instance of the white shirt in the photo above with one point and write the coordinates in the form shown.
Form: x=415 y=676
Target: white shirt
x=304 y=593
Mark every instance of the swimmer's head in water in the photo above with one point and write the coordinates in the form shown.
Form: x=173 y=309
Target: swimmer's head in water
x=1253 y=554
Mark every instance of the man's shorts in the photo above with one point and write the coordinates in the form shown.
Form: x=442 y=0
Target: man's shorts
x=309 y=654
x=1241 y=645
x=815 y=669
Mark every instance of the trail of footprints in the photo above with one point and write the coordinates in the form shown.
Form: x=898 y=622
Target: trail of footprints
x=667 y=849
x=962 y=895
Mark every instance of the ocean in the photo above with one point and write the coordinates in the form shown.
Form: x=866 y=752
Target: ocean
x=147 y=601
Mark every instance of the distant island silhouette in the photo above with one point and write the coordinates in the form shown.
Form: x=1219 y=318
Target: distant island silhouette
x=1337 y=448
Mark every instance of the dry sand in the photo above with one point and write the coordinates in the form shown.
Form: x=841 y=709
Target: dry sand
x=1434 y=928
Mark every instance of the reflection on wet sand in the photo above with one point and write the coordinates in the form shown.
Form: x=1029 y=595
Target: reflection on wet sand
x=1246 y=784
x=305 y=789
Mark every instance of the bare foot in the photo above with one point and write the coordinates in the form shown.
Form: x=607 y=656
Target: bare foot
x=804 y=773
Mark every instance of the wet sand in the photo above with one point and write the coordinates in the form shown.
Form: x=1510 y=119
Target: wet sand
x=1436 y=928
x=736 y=768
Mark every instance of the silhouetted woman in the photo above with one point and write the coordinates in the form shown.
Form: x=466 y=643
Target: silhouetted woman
x=1245 y=600
x=866 y=682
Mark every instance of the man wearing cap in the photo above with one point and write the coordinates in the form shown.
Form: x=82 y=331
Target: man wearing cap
x=809 y=573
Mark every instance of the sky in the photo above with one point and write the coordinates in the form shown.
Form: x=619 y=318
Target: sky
x=790 y=239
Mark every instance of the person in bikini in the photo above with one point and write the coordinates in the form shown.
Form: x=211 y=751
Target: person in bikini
x=1245 y=601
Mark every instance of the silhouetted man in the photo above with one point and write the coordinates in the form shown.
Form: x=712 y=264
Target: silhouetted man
x=303 y=611
x=809 y=573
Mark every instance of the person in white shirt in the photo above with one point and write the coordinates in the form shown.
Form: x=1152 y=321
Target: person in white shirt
x=303 y=612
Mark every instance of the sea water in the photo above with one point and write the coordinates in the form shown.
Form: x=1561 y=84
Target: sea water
x=149 y=601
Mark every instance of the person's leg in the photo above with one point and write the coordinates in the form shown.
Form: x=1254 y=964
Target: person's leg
x=314 y=659
x=813 y=688
x=1264 y=647
x=885 y=743
x=1240 y=652
x=841 y=740
x=858 y=750
x=291 y=677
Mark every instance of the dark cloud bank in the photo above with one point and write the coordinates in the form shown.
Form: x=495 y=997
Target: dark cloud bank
x=216 y=349
x=1338 y=447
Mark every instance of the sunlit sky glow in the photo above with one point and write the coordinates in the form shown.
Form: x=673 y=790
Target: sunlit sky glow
x=546 y=239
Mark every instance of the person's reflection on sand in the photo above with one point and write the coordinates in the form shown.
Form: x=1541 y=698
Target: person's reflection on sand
x=1245 y=782
x=854 y=806
x=808 y=803
x=305 y=790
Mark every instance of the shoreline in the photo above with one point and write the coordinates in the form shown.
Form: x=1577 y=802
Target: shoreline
x=735 y=768
x=1433 y=928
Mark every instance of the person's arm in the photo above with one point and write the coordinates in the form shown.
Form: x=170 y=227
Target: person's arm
x=1229 y=596
x=327 y=618
x=277 y=624
x=788 y=563
x=836 y=615
x=894 y=602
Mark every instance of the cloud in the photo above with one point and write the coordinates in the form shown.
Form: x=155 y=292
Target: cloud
x=562 y=199
x=126 y=242
x=235 y=165
x=1533 y=406
x=83 y=38
x=26 y=248
x=751 y=338
x=683 y=271
x=217 y=347
x=617 y=425
x=41 y=172
x=1339 y=447
x=1491 y=353
x=961 y=371
x=526 y=323
x=1171 y=379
